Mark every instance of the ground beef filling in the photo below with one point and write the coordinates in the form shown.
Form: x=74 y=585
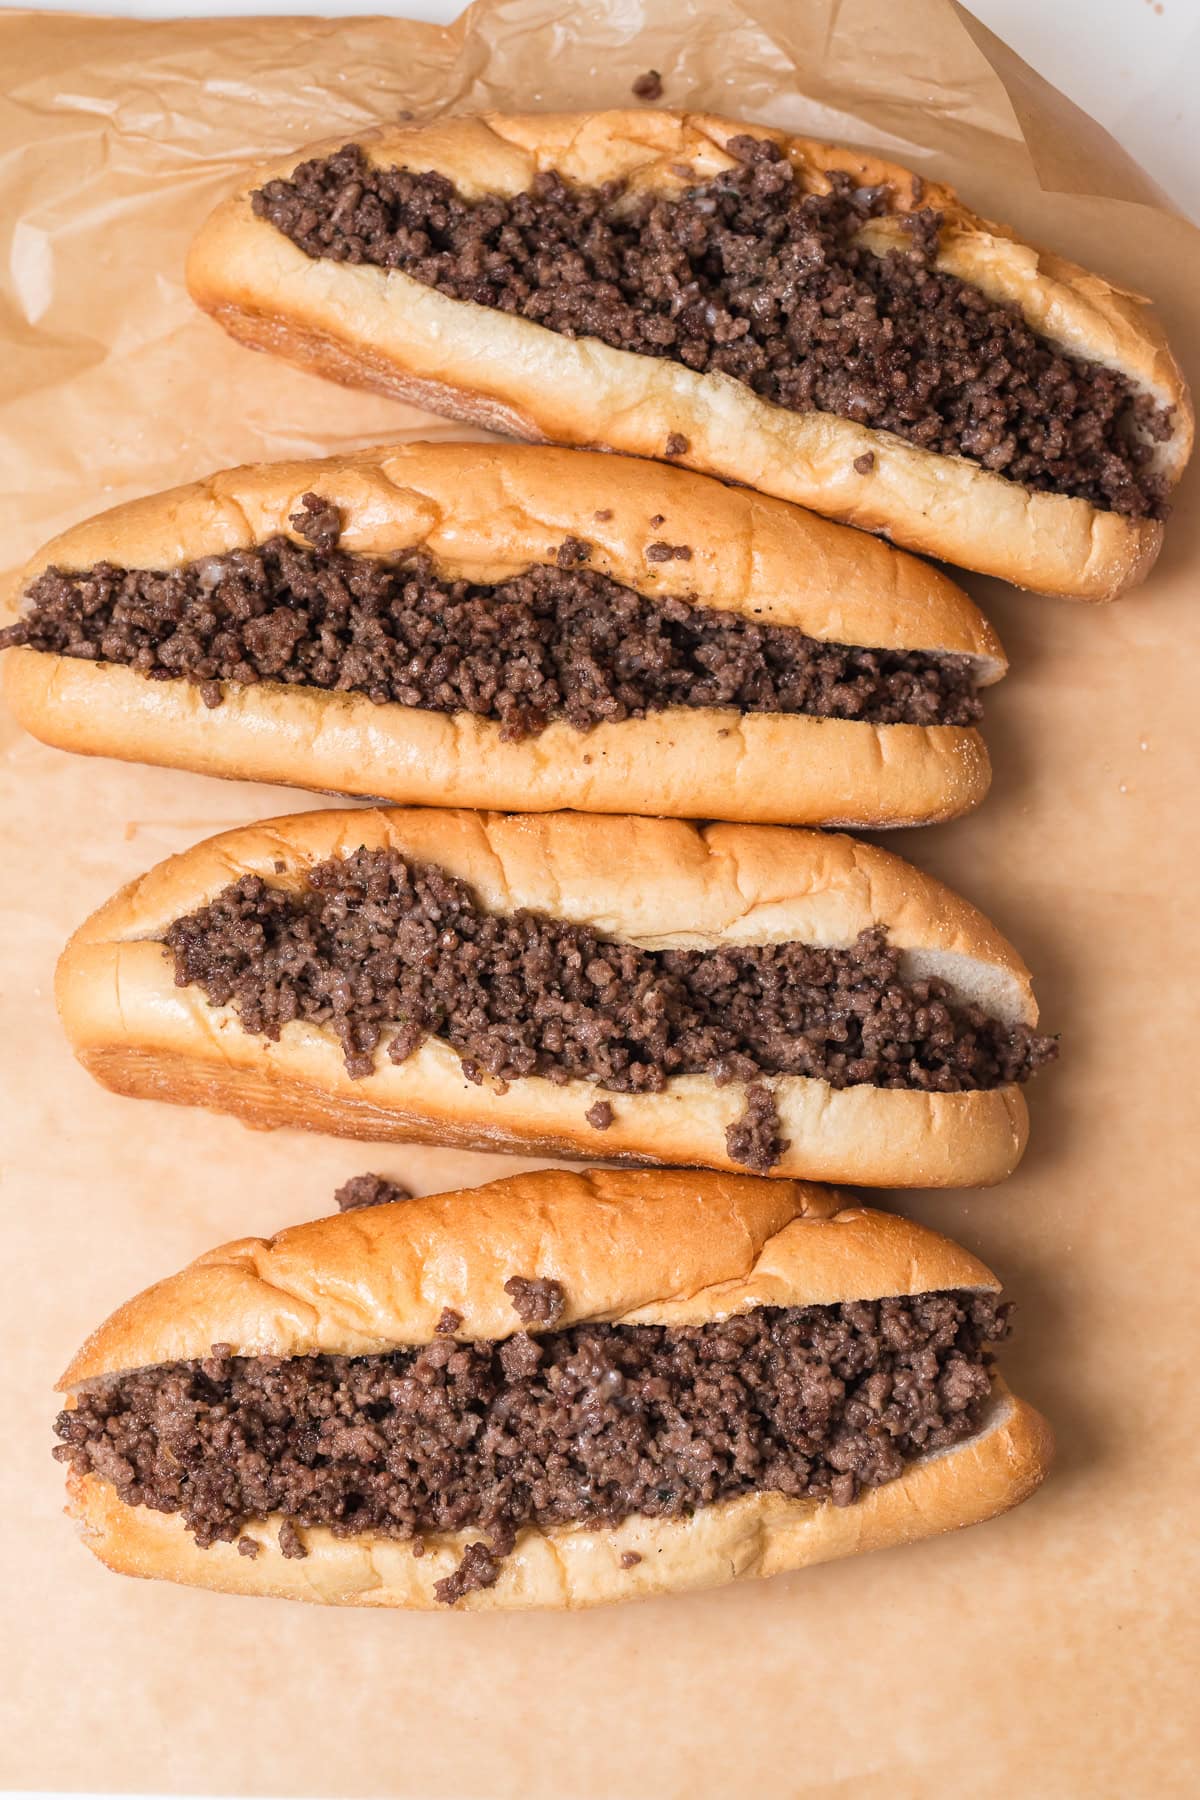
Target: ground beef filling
x=750 y=276
x=587 y=1425
x=385 y=953
x=559 y=641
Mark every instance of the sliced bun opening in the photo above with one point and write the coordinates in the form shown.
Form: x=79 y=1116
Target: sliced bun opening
x=558 y=638
x=384 y=952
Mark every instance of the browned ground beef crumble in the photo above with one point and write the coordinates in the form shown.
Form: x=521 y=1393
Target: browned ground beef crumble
x=385 y=952
x=536 y=1300
x=559 y=641
x=750 y=276
x=369 y=1190
x=590 y=1424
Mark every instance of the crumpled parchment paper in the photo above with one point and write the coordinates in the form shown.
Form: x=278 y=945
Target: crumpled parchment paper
x=1051 y=1653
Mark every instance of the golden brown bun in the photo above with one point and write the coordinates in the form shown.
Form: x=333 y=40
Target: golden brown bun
x=673 y=1249
x=383 y=330
x=483 y=513
x=656 y=883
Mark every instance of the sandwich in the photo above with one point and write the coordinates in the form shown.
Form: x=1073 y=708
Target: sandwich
x=617 y=989
x=553 y=1391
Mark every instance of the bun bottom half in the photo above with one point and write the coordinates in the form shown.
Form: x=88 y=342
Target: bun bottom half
x=571 y=1567
x=695 y=763
x=158 y=1043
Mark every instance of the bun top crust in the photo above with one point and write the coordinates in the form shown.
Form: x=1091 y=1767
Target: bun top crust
x=668 y=151
x=659 y=883
x=485 y=512
x=676 y=1247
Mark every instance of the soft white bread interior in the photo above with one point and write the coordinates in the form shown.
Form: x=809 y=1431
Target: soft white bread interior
x=483 y=513
x=651 y=882
x=676 y=1248
x=381 y=329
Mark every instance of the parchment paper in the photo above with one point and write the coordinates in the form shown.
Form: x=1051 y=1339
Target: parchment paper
x=1051 y=1653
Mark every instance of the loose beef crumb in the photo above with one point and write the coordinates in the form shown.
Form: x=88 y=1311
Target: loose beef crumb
x=375 y=946
x=369 y=1190
x=751 y=277
x=448 y=1322
x=600 y=1423
x=600 y=1116
x=319 y=521
x=649 y=86
x=754 y=1140
x=560 y=641
x=478 y=1569
x=630 y=1559
x=248 y=1547
x=677 y=445
x=289 y=1540
x=865 y=463
x=536 y=1302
